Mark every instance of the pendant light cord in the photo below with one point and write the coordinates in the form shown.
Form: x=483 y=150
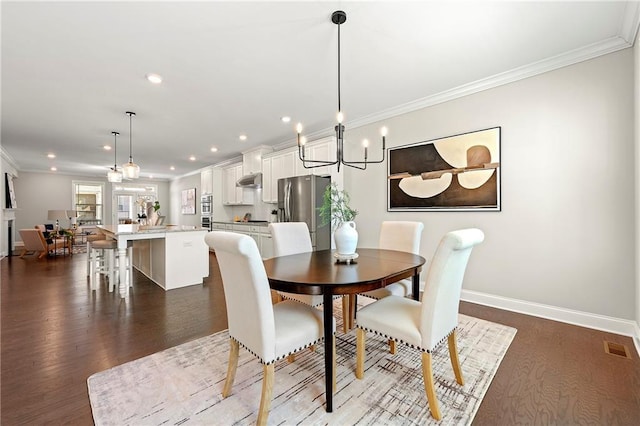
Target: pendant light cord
x=130 y=137
x=339 y=104
x=115 y=152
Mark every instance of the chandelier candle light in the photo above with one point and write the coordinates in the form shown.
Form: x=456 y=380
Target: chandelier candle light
x=130 y=170
x=338 y=17
x=114 y=175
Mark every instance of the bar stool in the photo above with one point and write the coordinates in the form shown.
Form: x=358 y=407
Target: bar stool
x=90 y=239
x=102 y=260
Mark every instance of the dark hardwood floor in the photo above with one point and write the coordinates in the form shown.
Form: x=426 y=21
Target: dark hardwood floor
x=56 y=333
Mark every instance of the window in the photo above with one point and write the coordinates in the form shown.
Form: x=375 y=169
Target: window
x=129 y=198
x=88 y=199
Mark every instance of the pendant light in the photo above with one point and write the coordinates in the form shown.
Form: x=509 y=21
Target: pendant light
x=130 y=170
x=114 y=175
x=339 y=17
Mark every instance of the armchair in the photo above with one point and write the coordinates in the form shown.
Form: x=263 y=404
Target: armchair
x=34 y=240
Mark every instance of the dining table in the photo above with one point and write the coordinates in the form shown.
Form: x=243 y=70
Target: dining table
x=321 y=273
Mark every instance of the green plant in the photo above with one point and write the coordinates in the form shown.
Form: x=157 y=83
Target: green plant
x=335 y=207
x=156 y=206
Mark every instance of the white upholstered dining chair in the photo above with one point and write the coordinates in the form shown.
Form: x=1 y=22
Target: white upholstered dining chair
x=293 y=238
x=424 y=325
x=400 y=236
x=270 y=332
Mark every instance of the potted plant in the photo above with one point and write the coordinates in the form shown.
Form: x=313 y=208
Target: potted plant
x=335 y=210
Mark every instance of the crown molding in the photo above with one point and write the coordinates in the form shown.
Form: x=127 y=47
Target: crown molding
x=610 y=45
x=630 y=22
x=8 y=158
x=575 y=56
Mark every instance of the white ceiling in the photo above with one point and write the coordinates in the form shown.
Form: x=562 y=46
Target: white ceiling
x=71 y=70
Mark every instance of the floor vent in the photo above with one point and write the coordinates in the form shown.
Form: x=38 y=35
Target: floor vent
x=616 y=349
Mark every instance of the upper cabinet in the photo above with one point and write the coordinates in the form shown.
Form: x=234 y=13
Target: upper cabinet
x=233 y=195
x=206 y=181
x=286 y=163
x=252 y=160
x=274 y=167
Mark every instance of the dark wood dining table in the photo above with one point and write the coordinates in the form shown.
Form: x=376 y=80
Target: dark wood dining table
x=318 y=273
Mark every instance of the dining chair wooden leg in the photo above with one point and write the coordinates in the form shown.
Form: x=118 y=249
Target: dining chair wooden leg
x=267 y=390
x=392 y=347
x=360 y=336
x=346 y=317
x=353 y=299
x=234 y=350
x=427 y=376
x=453 y=354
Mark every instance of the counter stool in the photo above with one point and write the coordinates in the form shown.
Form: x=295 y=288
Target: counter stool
x=90 y=239
x=102 y=260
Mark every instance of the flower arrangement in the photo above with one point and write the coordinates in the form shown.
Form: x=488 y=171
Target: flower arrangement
x=335 y=207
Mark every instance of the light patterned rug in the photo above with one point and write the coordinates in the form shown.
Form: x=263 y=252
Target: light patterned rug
x=183 y=384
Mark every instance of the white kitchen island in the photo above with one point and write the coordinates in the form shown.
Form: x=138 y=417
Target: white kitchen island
x=172 y=256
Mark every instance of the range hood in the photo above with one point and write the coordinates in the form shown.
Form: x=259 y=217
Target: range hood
x=250 y=181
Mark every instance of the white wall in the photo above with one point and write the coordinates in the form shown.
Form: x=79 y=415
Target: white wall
x=6 y=166
x=36 y=193
x=636 y=52
x=175 y=188
x=565 y=236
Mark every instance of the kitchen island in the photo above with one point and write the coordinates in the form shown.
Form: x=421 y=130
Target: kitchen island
x=172 y=256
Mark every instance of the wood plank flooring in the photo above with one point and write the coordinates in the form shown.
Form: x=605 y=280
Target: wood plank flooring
x=55 y=333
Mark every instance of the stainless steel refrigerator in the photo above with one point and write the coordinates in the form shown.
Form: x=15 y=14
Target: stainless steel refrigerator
x=298 y=201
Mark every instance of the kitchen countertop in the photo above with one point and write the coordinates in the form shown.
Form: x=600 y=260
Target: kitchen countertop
x=230 y=222
x=141 y=229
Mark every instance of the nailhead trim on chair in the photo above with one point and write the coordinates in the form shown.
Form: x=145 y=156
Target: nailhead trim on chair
x=313 y=306
x=280 y=357
x=409 y=344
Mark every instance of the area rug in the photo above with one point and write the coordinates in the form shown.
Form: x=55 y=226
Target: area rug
x=182 y=385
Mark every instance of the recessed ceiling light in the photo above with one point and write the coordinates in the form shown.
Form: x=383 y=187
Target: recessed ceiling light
x=285 y=119
x=107 y=147
x=243 y=137
x=214 y=149
x=51 y=155
x=53 y=169
x=150 y=176
x=192 y=158
x=172 y=168
x=154 y=78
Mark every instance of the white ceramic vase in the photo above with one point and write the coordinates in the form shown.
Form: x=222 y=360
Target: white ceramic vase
x=346 y=238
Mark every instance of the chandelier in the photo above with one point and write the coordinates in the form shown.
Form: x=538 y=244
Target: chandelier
x=114 y=175
x=338 y=17
x=130 y=170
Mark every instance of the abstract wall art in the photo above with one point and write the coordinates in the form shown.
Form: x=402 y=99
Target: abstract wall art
x=455 y=173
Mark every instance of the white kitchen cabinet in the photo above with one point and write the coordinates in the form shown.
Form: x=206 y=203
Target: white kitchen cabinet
x=260 y=235
x=252 y=160
x=323 y=151
x=206 y=181
x=266 y=244
x=275 y=167
x=267 y=182
x=232 y=194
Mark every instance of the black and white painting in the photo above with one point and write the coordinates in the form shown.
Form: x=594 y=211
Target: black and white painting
x=455 y=173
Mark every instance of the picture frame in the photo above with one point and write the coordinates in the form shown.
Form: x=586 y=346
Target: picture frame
x=188 y=201
x=9 y=191
x=454 y=173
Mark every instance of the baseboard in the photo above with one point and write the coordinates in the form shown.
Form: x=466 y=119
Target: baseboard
x=584 y=319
